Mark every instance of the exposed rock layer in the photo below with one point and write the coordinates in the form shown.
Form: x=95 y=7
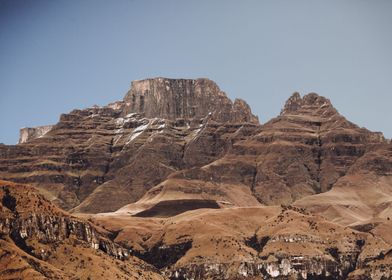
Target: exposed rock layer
x=185 y=98
x=33 y=230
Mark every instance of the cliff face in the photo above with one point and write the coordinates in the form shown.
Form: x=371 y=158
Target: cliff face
x=34 y=230
x=27 y=215
x=185 y=98
x=30 y=133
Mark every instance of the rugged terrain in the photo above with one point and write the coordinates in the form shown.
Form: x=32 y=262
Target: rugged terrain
x=40 y=241
x=177 y=181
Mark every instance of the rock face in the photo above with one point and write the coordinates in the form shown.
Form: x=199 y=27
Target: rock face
x=30 y=133
x=185 y=98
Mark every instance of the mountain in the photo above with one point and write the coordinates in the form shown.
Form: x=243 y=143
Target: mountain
x=117 y=151
x=191 y=186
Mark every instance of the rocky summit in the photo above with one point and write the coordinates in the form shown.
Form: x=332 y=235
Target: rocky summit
x=177 y=181
x=188 y=99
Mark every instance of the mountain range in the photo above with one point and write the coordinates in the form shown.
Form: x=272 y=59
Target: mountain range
x=177 y=181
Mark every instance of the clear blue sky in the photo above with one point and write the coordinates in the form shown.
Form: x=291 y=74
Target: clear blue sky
x=59 y=55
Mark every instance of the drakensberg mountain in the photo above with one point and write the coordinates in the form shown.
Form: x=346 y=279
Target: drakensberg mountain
x=176 y=181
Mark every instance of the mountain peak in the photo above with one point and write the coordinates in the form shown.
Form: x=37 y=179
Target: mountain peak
x=309 y=104
x=185 y=98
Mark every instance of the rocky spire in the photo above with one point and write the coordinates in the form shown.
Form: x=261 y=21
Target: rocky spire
x=185 y=98
x=310 y=104
x=293 y=103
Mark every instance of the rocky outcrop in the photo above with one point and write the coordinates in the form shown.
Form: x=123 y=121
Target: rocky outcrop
x=30 y=133
x=185 y=98
x=311 y=104
x=35 y=218
x=49 y=242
